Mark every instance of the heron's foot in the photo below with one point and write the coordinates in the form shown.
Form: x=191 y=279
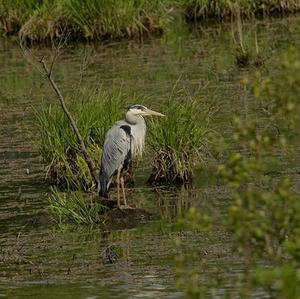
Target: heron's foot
x=125 y=207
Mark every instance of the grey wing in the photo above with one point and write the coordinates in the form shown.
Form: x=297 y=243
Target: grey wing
x=115 y=150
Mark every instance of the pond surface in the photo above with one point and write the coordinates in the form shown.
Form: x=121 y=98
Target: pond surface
x=40 y=259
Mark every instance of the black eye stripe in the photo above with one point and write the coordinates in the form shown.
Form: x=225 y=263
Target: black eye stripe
x=137 y=107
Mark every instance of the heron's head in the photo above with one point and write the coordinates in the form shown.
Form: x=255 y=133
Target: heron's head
x=140 y=110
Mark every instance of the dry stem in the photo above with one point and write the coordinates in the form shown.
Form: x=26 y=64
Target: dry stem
x=83 y=149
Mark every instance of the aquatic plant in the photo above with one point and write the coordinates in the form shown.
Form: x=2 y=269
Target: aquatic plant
x=242 y=53
x=180 y=140
x=116 y=19
x=46 y=24
x=95 y=20
x=245 y=53
x=13 y=14
x=222 y=9
x=94 y=111
x=74 y=207
x=42 y=21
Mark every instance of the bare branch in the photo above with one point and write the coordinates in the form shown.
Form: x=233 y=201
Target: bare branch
x=57 y=49
x=42 y=67
x=83 y=149
x=30 y=57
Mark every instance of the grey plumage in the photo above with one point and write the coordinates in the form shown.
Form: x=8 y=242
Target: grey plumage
x=117 y=147
x=124 y=141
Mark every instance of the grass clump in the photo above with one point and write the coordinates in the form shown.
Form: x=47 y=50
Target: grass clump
x=94 y=113
x=116 y=19
x=223 y=9
x=46 y=24
x=13 y=14
x=74 y=207
x=93 y=19
x=180 y=140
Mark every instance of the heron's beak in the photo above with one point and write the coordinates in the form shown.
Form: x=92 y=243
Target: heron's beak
x=152 y=112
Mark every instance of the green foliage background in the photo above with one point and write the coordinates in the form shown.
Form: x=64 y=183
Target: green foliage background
x=264 y=210
x=42 y=21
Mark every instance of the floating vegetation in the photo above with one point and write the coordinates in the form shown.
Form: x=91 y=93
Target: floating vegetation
x=180 y=140
x=94 y=112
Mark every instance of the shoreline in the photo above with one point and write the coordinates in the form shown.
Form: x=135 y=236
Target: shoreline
x=41 y=22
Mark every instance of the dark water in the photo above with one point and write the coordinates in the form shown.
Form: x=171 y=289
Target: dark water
x=39 y=259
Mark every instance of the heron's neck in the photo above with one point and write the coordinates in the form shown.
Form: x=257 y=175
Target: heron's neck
x=138 y=132
x=134 y=119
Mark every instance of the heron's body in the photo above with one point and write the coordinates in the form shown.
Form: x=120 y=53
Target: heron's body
x=123 y=142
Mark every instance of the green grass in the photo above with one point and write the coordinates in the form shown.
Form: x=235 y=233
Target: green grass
x=180 y=140
x=42 y=21
x=94 y=19
x=13 y=14
x=222 y=9
x=116 y=19
x=73 y=207
x=45 y=24
x=95 y=112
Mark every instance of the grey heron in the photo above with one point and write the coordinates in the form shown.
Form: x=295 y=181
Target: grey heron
x=123 y=142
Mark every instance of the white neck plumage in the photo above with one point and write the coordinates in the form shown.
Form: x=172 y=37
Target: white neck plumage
x=138 y=132
x=132 y=118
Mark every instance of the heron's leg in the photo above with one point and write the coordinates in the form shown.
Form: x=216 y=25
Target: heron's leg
x=118 y=189
x=123 y=190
